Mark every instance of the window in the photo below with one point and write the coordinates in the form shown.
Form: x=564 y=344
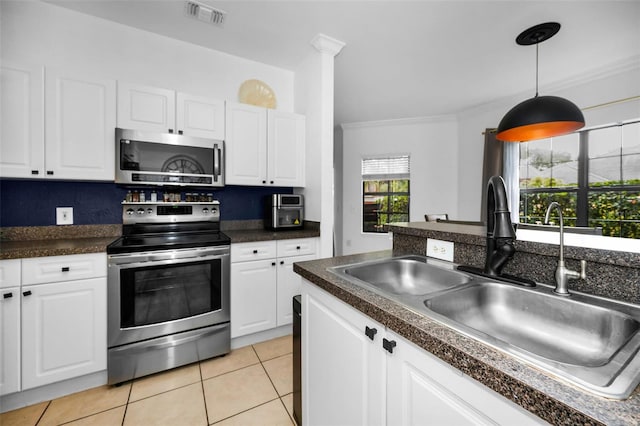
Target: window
x=385 y=192
x=593 y=174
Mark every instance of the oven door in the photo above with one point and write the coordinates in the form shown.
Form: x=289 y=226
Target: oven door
x=158 y=293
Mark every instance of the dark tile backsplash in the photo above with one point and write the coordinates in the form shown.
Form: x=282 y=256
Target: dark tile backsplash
x=33 y=202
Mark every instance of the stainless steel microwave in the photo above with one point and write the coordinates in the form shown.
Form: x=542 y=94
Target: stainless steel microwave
x=168 y=159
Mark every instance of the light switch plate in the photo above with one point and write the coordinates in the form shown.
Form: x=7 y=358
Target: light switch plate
x=64 y=215
x=440 y=249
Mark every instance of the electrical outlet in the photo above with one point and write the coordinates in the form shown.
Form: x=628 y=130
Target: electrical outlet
x=64 y=215
x=440 y=249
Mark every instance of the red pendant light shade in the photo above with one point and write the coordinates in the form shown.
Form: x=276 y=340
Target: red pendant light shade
x=538 y=118
x=541 y=116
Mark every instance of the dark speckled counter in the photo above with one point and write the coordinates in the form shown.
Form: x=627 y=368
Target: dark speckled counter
x=239 y=234
x=39 y=241
x=550 y=399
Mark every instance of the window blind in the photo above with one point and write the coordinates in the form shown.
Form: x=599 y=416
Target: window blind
x=382 y=168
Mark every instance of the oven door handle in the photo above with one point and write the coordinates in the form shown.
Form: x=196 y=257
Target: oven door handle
x=167 y=258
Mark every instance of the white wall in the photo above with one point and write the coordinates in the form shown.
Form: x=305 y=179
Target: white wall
x=43 y=34
x=432 y=144
x=617 y=82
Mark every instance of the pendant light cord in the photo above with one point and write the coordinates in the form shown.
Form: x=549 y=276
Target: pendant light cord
x=537 y=44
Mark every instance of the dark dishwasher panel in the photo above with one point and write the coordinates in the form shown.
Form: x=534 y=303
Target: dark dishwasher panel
x=297 y=360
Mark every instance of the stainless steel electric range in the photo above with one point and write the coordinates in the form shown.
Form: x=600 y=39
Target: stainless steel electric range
x=168 y=289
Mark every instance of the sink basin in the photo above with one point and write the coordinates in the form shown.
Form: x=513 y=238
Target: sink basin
x=591 y=342
x=409 y=275
x=557 y=328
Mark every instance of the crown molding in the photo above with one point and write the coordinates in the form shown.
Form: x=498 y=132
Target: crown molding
x=326 y=44
x=400 y=122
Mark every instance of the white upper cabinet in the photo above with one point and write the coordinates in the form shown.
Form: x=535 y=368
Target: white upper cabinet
x=56 y=125
x=264 y=147
x=167 y=111
x=146 y=108
x=200 y=116
x=22 y=118
x=246 y=147
x=285 y=148
x=80 y=127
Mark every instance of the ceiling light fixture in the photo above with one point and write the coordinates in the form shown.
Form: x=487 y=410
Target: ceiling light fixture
x=541 y=116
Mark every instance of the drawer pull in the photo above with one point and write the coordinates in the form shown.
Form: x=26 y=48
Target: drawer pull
x=65 y=269
x=297 y=247
x=7 y=295
x=273 y=263
x=26 y=293
x=370 y=332
x=255 y=252
x=282 y=262
x=388 y=345
x=50 y=172
x=35 y=172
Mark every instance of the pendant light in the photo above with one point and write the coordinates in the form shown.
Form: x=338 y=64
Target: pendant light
x=541 y=116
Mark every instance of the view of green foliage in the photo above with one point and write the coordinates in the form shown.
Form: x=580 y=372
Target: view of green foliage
x=617 y=212
x=385 y=201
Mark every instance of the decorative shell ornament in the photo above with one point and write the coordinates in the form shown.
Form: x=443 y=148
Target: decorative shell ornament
x=256 y=92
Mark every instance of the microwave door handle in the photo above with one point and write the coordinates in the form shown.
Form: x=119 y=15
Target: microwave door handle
x=216 y=162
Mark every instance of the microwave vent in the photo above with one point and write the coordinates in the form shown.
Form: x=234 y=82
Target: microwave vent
x=204 y=13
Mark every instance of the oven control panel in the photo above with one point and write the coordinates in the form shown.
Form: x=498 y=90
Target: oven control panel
x=181 y=212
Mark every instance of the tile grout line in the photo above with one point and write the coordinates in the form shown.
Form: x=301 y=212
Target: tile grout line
x=42 y=414
x=204 y=398
x=126 y=407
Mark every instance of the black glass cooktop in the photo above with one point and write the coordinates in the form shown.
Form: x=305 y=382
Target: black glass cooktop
x=167 y=241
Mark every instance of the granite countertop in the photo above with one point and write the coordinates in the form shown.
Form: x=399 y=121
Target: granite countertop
x=251 y=235
x=553 y=400
x=53 y=247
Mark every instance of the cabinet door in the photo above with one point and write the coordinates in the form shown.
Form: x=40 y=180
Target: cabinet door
x=9 y=340
x=80 y=127
x=200 y=116
x=421 y=389
x=286 y=148
x=253 y=297
x=64 y=331
x=289 y=285
x=146 y=108
x=246 y=145
x=22 y=129
x=343 y=377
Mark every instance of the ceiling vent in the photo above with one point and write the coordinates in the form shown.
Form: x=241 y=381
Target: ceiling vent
x=204 y=13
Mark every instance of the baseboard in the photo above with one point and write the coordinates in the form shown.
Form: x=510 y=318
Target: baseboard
x=28 y=397
x=250 y=339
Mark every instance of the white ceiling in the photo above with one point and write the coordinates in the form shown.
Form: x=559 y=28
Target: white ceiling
x=406 y=58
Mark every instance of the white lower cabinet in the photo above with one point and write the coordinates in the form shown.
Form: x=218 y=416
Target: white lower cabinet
x=63 y=331
x=263 y=283
x=54 y=330
x=353 y=375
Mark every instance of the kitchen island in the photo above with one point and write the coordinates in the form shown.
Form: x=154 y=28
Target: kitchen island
x=547 y=397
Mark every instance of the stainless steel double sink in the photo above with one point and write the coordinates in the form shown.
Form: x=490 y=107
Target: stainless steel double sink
x=589 y=341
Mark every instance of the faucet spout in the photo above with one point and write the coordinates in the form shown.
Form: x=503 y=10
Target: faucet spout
x=563 y=274
x=500 y=232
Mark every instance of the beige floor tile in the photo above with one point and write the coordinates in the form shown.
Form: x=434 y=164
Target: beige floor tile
x=27 y=416
x=164 y=381
x=237 y=391
x=184 y=406
x=270 y=414
x=86 y=403
x=287 y=400
x=280 y=371
x=111 y=417
x=235 y=360
x=274 y=348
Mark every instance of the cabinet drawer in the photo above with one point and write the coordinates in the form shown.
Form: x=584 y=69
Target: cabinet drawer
x=40 y=270
x=9 y=273
x=297 y=247
x=242 y=252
